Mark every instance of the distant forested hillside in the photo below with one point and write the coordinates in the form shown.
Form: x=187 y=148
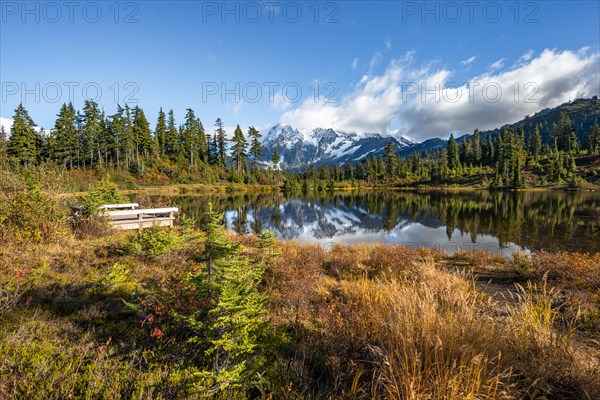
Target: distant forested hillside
x=584 y=113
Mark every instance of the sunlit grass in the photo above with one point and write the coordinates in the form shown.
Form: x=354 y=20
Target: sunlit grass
x=380 y=321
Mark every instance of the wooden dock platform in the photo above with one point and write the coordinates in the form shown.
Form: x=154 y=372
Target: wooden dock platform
x=141 y=218
x=129 y=216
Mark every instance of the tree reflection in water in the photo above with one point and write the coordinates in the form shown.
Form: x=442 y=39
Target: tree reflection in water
x=535 y=220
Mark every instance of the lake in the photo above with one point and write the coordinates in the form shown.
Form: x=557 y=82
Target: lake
x=449 y=220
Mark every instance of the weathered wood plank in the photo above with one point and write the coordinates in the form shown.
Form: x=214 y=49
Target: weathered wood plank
x=130 y=206
x=142 y=224
x=136 y=213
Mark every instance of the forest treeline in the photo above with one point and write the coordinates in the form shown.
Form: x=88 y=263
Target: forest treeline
x=125 y=141
x=187 y=152
x=511 y=159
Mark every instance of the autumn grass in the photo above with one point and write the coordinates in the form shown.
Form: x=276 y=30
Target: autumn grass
x=94 y=319
x=391 y=322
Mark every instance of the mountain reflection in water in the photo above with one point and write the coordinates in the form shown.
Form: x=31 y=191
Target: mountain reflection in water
x=506 y=222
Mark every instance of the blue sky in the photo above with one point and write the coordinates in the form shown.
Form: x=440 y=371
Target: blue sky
x=367 y=60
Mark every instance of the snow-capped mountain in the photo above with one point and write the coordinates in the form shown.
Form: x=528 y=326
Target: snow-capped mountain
x=324 y=146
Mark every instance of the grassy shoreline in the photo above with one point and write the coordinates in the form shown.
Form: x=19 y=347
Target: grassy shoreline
x=178 y=189
x=182 y=188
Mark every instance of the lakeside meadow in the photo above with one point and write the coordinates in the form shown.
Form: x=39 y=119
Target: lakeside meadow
x=299 y=200
x=199 y=312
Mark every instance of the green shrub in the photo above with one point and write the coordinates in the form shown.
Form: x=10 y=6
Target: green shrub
x=186 y=224
x=118 y=279
x=106 y=192
x=28 y=212
x=153 y=241
x=42 y=358
x=231 y=325
x=88 y=222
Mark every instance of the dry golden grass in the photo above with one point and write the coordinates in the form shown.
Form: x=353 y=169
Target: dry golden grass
x=386 y=321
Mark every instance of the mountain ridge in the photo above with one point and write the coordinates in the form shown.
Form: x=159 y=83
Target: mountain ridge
x=324 y=146
x=327 y=146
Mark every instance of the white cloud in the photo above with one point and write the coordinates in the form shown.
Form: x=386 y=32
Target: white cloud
x=6 y=123
x=375 y=60
x=380 y=101
x=388 y=43
x=526 y=57
x=468 y=60
x=355 y=63
x=280 y=102
x=498 y=64
x=369 y=108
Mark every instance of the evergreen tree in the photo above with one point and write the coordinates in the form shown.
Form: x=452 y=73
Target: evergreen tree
x=43 y=146
x=476 y=148
x=142 y=138
x=65 y=136
x=535 y=142
x=497 y=182
x=172 y=140
x=518 y=182
x=92 y=131
x=453 y=154
x=238 y=150
x=202 y=142
x=556 y=170
x=110 y=140
x=3 y=139
x=359 y=171
x=462 y=151
x=116 y=129
x=221 y=141
x=348 y=172
x=23 y=138
x=160 y=133
x=275 y=158
x=486 y=159
x=256 y=149
x=216 y=246
x=441 y=167
x=510 y=152
x=415 y=163
x=129 y=142
x=593 y=140
x=232 y=315
x=191 y=132
x=182 y=143
x=213 y=150
x=564 y=134
x=390 y=159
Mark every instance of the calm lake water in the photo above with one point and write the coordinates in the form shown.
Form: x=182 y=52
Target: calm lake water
x=450 y=220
